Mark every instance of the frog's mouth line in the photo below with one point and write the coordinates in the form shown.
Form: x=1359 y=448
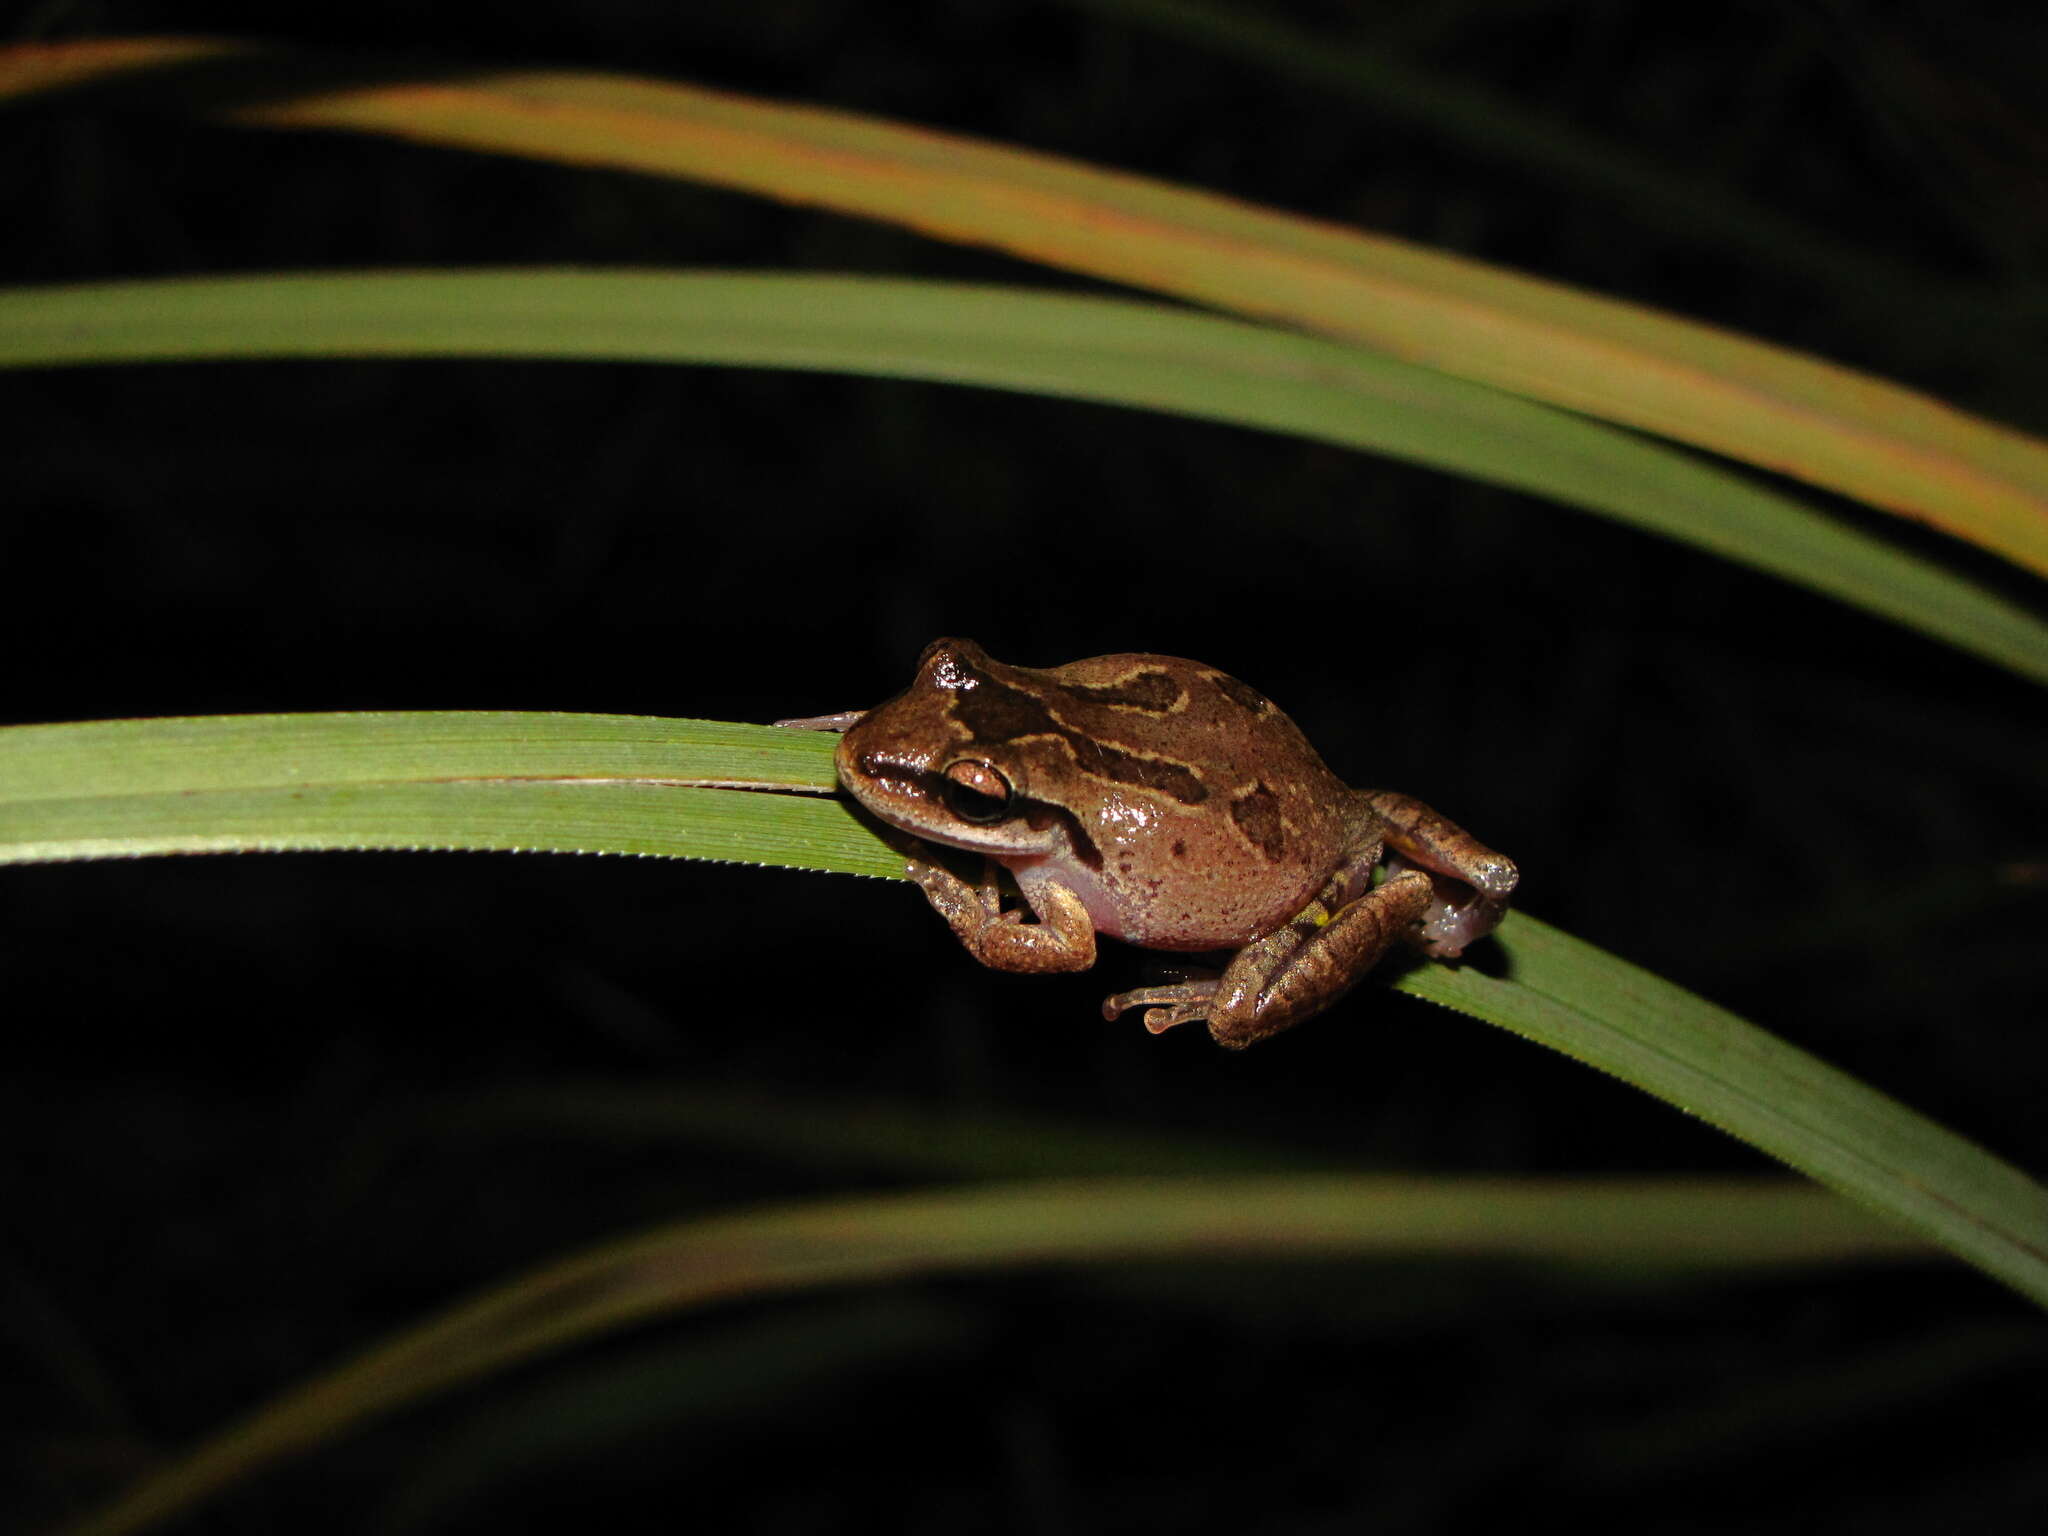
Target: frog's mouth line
x=892 y=780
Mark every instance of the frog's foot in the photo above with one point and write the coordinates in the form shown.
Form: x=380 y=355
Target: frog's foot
x=956 y=900
x=1062 y=938
x=1182 y=1002
x=1457 y=915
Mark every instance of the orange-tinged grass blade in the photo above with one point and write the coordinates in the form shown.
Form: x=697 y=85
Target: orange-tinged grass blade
x=1849 y=432
x=1725 y=1224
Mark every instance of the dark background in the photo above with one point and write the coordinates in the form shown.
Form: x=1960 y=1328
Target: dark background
x=238 y=1136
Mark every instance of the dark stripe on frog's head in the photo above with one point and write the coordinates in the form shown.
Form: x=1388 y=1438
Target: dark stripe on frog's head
x=1151 y=692
x=1257 y=815
x=1240 y=694
x=995 y=714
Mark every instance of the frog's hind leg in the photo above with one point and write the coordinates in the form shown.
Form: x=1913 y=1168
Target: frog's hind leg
x=1291 y=973
x=1322 y=967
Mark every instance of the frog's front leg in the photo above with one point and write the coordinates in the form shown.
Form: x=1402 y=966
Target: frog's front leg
x=1473 y=883
x=1063 y=938
x=1295 y=971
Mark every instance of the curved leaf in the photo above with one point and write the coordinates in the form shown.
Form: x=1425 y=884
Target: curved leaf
x=299 y=782
x=1085 y=348
x=1564 y=993
x=1785 y=411
x=1705 y=1223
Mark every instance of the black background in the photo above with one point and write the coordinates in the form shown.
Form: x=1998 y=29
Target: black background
x=233 y=1149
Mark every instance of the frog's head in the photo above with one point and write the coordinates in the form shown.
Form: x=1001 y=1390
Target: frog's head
x=952 y=758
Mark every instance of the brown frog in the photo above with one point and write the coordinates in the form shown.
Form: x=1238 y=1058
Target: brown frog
x=1167 y=804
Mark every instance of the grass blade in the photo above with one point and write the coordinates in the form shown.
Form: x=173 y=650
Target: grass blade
x=1794 y=414
x=451 y=780
x=1597 y=1008
x=1707 y=1223
x=1105 y=350
x=222 y=752
x=272 y=782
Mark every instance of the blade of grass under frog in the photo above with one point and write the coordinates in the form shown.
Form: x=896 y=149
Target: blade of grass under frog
x=1559 y=992
x=1598 y=1009
x=216 y=752
x=469 y=780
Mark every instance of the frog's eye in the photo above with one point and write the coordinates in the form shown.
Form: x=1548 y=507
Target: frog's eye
x=976 y=793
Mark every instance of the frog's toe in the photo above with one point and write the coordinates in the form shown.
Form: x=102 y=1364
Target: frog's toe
x=1180 y=1003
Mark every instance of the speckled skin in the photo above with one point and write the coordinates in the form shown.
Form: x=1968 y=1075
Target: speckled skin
x=1165 y=803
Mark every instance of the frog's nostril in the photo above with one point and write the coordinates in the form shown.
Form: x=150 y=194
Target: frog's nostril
x=879 y=765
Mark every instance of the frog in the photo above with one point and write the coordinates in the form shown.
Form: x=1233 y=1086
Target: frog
x=1160 y=802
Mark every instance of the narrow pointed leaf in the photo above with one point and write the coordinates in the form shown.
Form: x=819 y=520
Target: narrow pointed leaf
x=1725 y=1224
x=1798 y=415
x=1114 y=351
x=1597 y=1008
x=430 y=780
x=299 y=782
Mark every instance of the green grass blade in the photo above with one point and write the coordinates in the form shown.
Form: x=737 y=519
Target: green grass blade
x=509 y=817
x=1726 y=1224
x=219 y=752
x=1574 y=998
x=1797 y=415
x=1105 y=350
x=267 y=783
x=452 y=780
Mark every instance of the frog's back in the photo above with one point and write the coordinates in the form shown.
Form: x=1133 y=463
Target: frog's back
x=1176 y=711
x=1217 y=820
